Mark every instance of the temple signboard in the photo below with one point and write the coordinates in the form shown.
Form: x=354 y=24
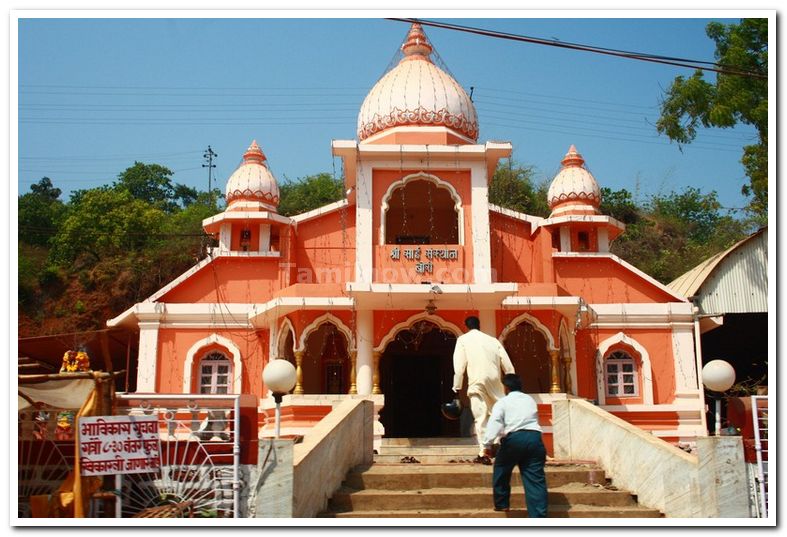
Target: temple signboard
x=111 y=445
x=429 y=254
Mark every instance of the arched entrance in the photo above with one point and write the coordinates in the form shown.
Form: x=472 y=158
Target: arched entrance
x=416 y=374
x=527 y=347
x=326 y=363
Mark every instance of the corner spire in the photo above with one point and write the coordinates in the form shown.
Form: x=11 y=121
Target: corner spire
x=254 y=154
x=572 y=159
x=416 y=45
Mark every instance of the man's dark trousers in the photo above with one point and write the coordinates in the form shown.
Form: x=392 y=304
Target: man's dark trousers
x=524 y=449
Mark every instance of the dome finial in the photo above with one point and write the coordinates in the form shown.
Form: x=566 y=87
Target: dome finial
x=572 y=159
x=416 y=43
x=254 y=154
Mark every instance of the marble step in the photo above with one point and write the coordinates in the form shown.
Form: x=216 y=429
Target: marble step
x=553 y=511
x=478 y=498
x=424 y=476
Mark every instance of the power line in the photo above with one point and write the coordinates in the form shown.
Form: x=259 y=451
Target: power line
x=655 y=58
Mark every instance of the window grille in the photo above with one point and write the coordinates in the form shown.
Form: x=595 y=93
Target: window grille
x=215 y=374
x=622 y=378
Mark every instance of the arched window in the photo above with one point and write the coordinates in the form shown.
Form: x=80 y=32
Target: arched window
x=215 y=374
x=421 y=211
x=621 y=375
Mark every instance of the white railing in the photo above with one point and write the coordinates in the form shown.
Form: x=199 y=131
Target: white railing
x=199 y=434
x=759 y=410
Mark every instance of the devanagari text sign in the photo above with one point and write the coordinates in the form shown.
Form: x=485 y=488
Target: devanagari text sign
x=111 y=445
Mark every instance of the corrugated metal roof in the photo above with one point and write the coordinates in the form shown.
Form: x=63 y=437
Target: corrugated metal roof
x=733 y=281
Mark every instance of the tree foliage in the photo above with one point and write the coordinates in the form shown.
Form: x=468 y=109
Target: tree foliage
x=40 y=212
x=309 y=193
x=729 y=100
x=513 y=187
x=671 y=233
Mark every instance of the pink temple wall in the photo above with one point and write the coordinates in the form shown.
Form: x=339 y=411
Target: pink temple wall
x=325 y=248
x=604 y=281
x=229 y=280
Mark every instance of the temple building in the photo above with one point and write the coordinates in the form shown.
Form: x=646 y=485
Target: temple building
x=366 y=296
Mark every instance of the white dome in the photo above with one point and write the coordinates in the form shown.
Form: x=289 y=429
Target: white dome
x=253 y=181
x=417 y=92
x=574 y=183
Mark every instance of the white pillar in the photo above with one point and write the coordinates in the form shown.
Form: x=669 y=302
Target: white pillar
x=565 y=239
x=479 y=221
x=273 y=336
x=225 y=237
x=265 y=237
x=488 y=322
x=363 y=227
x=147 y=361
x=364 y=341
x=603 y=240
x=686 y=382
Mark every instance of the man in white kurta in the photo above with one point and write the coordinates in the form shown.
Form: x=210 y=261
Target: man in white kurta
x=483 y=357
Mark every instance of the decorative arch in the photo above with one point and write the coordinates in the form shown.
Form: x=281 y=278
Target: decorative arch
x=315 y=324
x=422 y=316
x=440 y=184
x=234 y=351
x=538 y=325
x=281 y=337
x=646 y=370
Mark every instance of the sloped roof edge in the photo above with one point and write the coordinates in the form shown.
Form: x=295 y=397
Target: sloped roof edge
x=689 y=283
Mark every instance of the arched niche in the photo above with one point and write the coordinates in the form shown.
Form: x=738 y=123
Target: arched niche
x=421 y=209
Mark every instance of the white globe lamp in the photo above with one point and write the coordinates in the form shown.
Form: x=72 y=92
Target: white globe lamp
x=718 y=376
x=279 y=377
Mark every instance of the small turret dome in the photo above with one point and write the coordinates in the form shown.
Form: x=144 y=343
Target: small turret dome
x=574 y=188
x=417 y=93
x=253 y=181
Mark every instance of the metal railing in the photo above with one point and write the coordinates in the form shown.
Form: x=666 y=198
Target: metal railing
x=200 y=452
x=759 y=409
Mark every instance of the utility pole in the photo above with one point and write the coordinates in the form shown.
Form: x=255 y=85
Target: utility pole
x=209 y=155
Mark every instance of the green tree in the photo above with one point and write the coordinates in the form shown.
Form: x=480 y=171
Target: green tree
x=513 y=187
x=103 y=222
x=310 y=192
x=39 y=213
x=671 y=233
x=620 y=205
x=153 y=184
x=729 y=100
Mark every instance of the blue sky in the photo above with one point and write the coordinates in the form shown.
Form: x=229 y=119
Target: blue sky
x=96 y=94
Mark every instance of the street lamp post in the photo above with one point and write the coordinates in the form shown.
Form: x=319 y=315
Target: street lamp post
x=279 y=377
x=718 y=376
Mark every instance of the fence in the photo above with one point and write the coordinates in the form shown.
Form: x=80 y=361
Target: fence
x=759 y=409
x=200 y=457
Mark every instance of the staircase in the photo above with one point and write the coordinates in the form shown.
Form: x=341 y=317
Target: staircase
x=445 y=484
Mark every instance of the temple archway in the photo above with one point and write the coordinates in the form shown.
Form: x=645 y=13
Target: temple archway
x=326 y=363
x=416 y=375
x=528 y=348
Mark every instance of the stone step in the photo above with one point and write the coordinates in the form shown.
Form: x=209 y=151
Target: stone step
x=470 y=451
x=553 y=511
x=477 y=498
x=425 y=476
x=428 y=442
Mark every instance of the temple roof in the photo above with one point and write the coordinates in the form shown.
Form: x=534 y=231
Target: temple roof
x=417 y=93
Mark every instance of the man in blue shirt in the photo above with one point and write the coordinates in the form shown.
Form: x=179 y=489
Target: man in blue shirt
x=515 y=418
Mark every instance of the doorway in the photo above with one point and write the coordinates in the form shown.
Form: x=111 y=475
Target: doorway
x=416 y=375
x=527 y=348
